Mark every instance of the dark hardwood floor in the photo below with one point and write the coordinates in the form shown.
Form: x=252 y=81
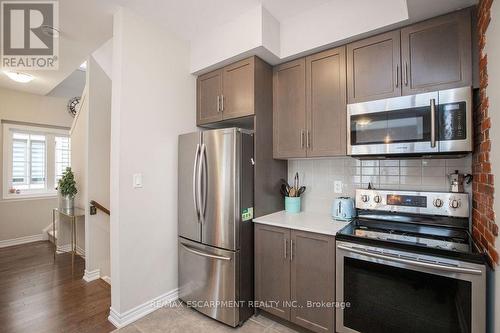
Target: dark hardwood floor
x=38 y=295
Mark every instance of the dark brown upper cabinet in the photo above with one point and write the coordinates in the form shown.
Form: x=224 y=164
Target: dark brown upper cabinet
x=373 y=68
x=289 y=109
x=310 y=106
x=326 y=103
x=229 y=92
x=209 y=90
x=238 y=89
x=294 y=267
x=436 y=54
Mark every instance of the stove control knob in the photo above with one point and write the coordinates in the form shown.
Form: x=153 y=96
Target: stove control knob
x=377 y=199
x=454 y=203
x=365 y=198
x=438 y=203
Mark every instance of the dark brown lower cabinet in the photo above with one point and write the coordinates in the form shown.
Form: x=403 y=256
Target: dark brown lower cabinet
x=313 y=281
x=272 y=269
x=297 y=268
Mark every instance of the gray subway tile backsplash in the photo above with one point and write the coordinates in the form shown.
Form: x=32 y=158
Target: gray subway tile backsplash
x=319 y=175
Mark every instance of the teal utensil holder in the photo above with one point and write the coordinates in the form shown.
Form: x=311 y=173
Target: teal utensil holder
x=292 y=204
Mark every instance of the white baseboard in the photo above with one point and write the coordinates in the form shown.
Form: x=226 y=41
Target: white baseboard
x=67 y=248
x=22 y=240
x=91 y=275
x=123 y=319
x=106 y=279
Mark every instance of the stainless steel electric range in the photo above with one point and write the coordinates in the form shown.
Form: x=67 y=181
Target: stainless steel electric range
x=408 y=263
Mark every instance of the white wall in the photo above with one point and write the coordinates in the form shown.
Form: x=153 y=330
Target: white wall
x=258 y=32
x=326 y=24
x=20 y=218
x=99 y=140
x=104 y=57
x=242 y=34
x=79 y=151
x=492 y=50
x=153 y=101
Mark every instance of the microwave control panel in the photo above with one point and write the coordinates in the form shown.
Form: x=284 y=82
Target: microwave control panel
x=452 y=121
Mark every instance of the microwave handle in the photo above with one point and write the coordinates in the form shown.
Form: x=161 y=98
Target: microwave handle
x=433 y=123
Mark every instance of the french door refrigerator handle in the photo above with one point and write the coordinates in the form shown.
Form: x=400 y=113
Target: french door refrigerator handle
x=201 y=193
x=433 y=123
x=204 y=254
x=412 y=262
x=195 y=181
x=205 y=182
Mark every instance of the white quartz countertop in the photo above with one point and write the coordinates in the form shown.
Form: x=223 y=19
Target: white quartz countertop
x=321 y=223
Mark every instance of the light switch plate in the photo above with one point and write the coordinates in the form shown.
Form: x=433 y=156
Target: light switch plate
x=337 y=186
x=137 y=180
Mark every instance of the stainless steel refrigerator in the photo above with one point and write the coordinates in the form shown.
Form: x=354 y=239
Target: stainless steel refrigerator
x=215 y=210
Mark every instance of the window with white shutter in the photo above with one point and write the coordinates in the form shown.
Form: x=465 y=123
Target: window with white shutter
x=63 y=156
x=34 y=160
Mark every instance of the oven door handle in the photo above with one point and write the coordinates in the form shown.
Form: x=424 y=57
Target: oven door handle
x=411 y=262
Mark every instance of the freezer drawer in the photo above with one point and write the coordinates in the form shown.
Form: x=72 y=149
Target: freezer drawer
x=208 y=280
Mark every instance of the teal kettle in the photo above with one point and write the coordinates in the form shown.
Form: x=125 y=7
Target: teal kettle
x=343 y=209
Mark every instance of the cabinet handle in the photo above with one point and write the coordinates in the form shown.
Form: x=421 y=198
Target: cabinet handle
x=308 y=139
x=397 y=76
x=218 y=103
x=285 y=245
x=301 y=138
x=291 y=249
x=222 y=103
x=406 y=73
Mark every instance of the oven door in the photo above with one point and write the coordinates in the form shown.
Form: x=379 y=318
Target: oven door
x=401 y=125
x=392 y=291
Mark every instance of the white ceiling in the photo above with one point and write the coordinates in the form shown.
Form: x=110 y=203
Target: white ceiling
x=84 y=25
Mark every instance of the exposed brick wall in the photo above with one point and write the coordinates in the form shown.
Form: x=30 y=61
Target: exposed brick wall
x=485 y=230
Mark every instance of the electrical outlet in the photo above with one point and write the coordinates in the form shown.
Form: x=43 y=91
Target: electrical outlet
x=337 y=186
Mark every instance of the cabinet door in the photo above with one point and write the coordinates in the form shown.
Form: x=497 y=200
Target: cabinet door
x=238 y=89
x=313 y=280
x=272 y=268
x=373 y=68
x=326 y=103
x=208 y=91
x=289 y=109
x=436 y=54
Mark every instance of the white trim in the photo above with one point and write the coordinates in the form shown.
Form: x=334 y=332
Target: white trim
x=89 y=276
x=106 y=279
x=67 y=248
x=128 y=317
x=22 y=240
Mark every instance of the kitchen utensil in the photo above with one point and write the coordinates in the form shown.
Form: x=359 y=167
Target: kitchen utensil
x=293 y=192
x=457 y=181
x=284 y=190
x=302 y=189
x=343 y=209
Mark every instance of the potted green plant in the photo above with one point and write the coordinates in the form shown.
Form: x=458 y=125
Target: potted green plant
x=67 y=190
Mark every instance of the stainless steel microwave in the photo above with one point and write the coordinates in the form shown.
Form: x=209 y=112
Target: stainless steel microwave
x=424 y=124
